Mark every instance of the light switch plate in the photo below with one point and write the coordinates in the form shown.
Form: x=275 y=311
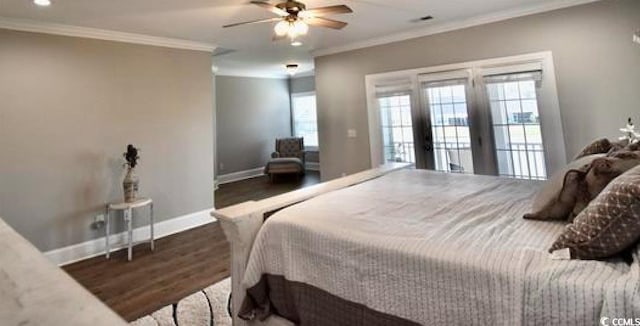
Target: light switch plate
x=351 y=133
x=98 y=222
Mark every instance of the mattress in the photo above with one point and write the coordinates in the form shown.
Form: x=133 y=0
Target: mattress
x=436 y=249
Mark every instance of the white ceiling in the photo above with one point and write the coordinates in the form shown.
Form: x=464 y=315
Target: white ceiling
x=373 y=21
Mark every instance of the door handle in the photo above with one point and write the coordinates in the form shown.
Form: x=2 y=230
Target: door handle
x=428 y=144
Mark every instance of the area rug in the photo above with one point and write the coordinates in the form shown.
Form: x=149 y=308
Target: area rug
x=204 y=308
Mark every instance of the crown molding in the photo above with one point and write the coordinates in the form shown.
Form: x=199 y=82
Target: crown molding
x=259 y=75
x=452 y=26
x=26 y=25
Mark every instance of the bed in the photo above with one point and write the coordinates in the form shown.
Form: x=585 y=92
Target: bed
x=394 y=246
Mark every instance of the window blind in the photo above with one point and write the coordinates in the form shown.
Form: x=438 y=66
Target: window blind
x=393 y=88
x=514 y=77
x=443 y=83
x=445 y=78
x=513 y=73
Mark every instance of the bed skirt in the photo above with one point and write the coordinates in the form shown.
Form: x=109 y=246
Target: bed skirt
x=304 y=304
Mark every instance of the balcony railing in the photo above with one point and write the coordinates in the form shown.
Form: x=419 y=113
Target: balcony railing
x=522 y=160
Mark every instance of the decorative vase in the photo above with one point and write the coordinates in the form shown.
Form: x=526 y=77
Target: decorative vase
x=130 y=186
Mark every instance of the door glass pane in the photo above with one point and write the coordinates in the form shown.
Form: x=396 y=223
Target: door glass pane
x=499 y=113
x=397 y=128
x=516 y=129
x=450 y=127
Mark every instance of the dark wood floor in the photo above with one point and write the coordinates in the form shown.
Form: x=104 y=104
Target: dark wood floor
x=260 y=188
x=182 y=263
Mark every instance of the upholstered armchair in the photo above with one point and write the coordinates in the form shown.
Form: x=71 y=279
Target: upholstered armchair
x=289 y=157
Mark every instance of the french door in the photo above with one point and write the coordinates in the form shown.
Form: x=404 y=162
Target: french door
x=478 y=119
x=445 y=104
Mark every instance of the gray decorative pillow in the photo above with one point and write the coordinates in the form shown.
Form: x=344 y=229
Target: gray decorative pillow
x=599 y=146
x=609 y=225
x=551 y=188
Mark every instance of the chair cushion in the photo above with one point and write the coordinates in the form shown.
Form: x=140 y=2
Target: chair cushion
x=284 y=165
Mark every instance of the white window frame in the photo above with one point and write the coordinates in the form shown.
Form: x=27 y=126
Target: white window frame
x=551 y=122
x=293 y=123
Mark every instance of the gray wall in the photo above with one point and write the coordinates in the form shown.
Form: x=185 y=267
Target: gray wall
x=597 y=67
x=68 y=108
x=303 y=84
x=251 y=114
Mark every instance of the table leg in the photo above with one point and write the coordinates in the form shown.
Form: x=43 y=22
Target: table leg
x=128 y=217
x=107 y=231
x=151 y=226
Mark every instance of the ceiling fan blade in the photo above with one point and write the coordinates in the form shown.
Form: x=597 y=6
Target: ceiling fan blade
x=268 y=20
x=271 y=8
x=325 y=22
x=324 y=11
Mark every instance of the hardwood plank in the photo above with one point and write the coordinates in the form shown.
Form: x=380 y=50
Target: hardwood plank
x=182 y=263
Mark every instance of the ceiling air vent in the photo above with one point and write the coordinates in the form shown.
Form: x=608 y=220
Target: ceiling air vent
x=422 y=19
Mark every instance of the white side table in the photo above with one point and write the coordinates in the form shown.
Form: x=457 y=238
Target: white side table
x=127 y=210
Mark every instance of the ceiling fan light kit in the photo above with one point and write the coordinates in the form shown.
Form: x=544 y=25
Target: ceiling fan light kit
x=294 y=18
x=292 y=29
x=292 y=68
x=42 y=3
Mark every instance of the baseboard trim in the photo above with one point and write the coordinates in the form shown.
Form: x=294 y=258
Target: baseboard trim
x=312 y=166
x=240 y=175
x=96 y=247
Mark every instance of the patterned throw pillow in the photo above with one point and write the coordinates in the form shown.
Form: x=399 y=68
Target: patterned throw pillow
x=599 y=146
x=609 y=225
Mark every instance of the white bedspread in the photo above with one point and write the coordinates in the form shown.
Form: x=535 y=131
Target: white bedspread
x=442 y=249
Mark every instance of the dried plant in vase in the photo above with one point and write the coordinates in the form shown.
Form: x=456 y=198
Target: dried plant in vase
x=130 y=183
x=630 y=134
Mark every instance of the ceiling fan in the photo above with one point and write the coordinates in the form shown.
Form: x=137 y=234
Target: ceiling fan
x=294 y=18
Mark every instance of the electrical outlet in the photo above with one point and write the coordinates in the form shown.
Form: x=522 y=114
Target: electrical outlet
x=636 y=37
x=343 y=174
x=352 y=133
x=221 y=166
x=98 y=222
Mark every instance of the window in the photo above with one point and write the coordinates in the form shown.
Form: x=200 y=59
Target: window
x=305 y=123
x=397 y=129
x=495 y=117
x=516 y=125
